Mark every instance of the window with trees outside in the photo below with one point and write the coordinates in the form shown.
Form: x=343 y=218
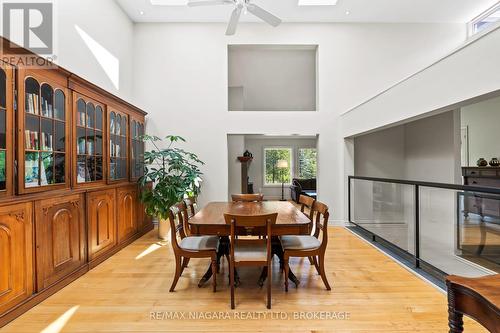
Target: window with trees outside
x=276 y=170
x=307 y=163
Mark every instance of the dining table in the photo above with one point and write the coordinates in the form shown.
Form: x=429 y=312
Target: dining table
x=210 y=221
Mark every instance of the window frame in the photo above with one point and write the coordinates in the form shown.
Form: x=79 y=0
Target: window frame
x=297 y=175
x=470 y=27
x=292 y=165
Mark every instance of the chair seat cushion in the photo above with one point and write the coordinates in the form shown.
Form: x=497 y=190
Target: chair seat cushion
x=199 y=243
x=299 y=243
x=250 y=250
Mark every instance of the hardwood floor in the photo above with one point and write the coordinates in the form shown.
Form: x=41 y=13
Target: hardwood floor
x=120 y=295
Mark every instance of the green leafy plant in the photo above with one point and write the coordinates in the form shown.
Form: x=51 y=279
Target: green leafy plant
x=173 y=172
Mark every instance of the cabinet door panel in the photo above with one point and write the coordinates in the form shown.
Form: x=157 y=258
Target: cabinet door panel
x=127 y=212
x=16 y=246
x=101 y=221
x=60 y=233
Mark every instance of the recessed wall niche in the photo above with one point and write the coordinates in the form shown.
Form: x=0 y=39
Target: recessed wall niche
x=272 y=77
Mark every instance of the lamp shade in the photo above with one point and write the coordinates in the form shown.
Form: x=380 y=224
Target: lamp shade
x=282 y=164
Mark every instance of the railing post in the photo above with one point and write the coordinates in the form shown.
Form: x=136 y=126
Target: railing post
x=349 y=198
x=417 y=226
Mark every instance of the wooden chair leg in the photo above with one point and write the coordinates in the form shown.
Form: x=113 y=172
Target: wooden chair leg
x=311 y=260
x=214 y=273
x=287 y=270
x=231 y=283
x=322 y=271
x=178 y=271
x=316 y=265
x=185 y=262
x=269 y=281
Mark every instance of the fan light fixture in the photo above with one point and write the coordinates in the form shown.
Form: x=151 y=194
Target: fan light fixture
x=240 y=6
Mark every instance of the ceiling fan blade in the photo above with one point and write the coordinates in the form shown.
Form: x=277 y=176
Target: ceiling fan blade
x=233 y=22
x=263 y=14
x=210 y=3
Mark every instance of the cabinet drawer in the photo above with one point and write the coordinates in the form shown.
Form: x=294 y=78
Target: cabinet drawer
x=491 y=207
x=487 y=182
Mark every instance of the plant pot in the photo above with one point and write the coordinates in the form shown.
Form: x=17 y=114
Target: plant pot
x=163 y=229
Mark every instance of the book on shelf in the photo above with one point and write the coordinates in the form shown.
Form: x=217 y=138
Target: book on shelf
x=47 y=141
x=31 y=139
x=90 y=148
x=81 y=146
x=47 y=110
x=81 y=118
x=32 y=103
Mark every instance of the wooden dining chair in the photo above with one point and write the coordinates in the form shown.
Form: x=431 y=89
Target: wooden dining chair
x=309 y=246
x=191 y=205
x=258 y=197
x=307 y=202
x=250 y=252
x=190 y=246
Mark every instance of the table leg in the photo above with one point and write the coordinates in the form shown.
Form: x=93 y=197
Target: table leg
x=223 y=250
x=278 y=251
x=455 y=321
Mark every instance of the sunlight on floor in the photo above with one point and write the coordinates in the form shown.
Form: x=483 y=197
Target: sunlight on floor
x=57 y=325
x=150 y=249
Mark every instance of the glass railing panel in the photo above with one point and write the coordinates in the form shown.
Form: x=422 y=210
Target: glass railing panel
x=385 y=209
x=452 y=230
x=478 y=233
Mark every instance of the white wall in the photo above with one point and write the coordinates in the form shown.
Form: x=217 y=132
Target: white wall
x=235 y=148
x=273 y=78
x=105 y=23
x=422 y=150
x=381 y=154
x=94 y=39
x=466 y=74
x=431 y=149
x=256 y=146
x=482 y=119
x=180 y=78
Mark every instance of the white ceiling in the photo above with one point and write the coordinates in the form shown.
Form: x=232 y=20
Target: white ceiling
x=418 y=11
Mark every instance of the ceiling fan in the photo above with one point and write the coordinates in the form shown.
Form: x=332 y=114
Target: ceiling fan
x=240 y=6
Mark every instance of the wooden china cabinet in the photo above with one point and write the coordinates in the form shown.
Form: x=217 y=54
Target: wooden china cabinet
x=70 y=158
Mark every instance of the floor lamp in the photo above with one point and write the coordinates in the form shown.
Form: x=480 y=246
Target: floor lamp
x=282 y=164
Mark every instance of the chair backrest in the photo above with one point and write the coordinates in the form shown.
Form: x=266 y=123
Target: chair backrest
x=306 y=201
x=190 y=203
x=244 y=221
x=177 y=225
x=320 y=219
x=258 y=197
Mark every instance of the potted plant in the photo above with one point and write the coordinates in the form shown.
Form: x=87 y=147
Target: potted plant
x=170 y=174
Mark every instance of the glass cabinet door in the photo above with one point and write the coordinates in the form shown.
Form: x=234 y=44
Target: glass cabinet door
x=6 y=114
x=136 y=150
x=44 y=135
x=89 y=140
x=118 y=137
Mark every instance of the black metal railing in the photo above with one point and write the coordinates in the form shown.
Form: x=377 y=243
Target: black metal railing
x=404 y=200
